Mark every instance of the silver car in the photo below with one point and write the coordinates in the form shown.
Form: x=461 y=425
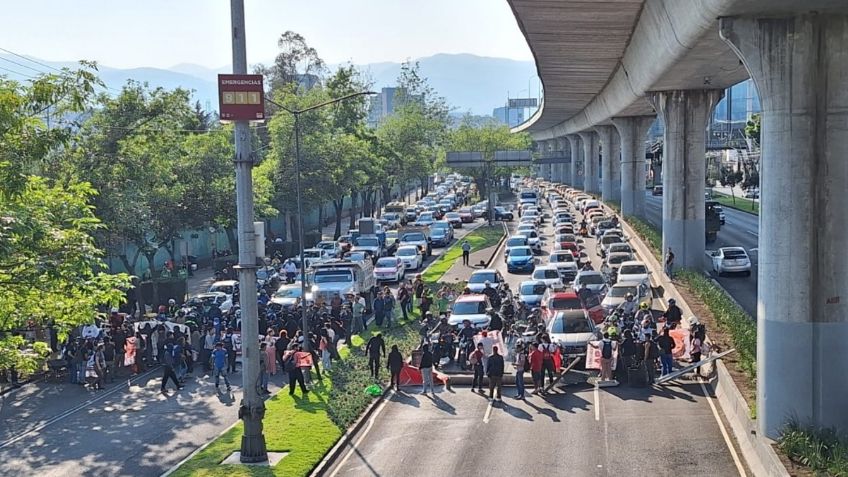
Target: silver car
x=572 y=330
x=731 y=260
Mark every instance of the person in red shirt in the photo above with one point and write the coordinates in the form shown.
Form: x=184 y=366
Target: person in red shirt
x=536 y=368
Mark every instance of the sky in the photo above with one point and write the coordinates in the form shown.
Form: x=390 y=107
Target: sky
x=164 y=33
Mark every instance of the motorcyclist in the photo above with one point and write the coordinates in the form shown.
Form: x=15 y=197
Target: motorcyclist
x=643 y=313
x=673 y=315
x=587 y=266
x=496 y=322
x=466 y=341
x=585 y=293
x=490 y=293
x=173 y=308
x=628 y=306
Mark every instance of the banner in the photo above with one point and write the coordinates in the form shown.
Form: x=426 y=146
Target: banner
x=681 y=343
x=593 y=356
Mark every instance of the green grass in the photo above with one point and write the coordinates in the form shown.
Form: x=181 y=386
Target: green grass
x=745 y=205
x=300 y=426
x=479 y=239
x=823 y=451
x=648 y=233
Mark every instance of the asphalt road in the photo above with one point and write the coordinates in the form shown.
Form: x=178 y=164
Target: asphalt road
x=740 y=230
x=578 y=430
x=130 y=429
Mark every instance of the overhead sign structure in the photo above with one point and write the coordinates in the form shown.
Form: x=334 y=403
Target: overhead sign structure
x=523 y=102
x=241 y=98
x=473 y=159
x=553 y=160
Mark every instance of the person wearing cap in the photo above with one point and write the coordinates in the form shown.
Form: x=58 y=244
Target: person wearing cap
x=519 y=362
x=495 y=372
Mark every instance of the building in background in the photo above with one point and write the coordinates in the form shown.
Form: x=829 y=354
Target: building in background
x=386 y=102
x=516 y=116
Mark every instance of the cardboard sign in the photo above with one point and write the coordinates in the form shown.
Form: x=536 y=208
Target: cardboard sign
x=593 y=356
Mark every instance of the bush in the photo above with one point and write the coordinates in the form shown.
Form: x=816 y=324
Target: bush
x=729 y=316
x=647 y=232
x=820 y=450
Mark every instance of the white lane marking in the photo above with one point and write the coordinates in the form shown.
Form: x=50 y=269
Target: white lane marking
x=73 y=410
x=364 y=433
x=597 y=403
x=755 y=234
x=488 y=415
x=724 y=433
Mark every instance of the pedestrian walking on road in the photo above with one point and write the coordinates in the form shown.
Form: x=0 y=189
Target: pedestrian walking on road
x=219 y=365
x=495 y=371
x=548 y=349
x=168 y=360
x=669 y=263
x=666 y=344
x=476 y=360
x=375 y=348
x=519 y=362
x=230 y=346
x=652 y=352
x=427 y=370
x=466 y=252
x=395 y=364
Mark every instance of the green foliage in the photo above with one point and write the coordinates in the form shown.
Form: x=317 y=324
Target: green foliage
x=752 y=127
x=729 y=317
x=823 y=451
x=647 y=232
x=745 y=205
x=481 y=238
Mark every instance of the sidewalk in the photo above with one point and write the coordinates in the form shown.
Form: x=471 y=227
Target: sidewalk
x=460 y=273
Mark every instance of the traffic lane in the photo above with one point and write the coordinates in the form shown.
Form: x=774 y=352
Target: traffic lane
x=461 y=433
x=135 y=432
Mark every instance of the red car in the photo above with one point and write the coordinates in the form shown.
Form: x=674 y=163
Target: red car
x=466 y=215
x=554 y=301
x=571 y=247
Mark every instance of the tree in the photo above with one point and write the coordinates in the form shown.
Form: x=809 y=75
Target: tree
x=752 y=128
x=297 y=63
x=730 y=178
x=51 y=271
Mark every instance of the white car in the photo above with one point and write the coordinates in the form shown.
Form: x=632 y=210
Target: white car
x=472 y=308
x=594 y=281
x=425 y=219
x=389 y=269
x=333 y=248
x=633 y=271
x=411 y=257
x=549 y=275
x=641 y=292
x=313 y=256
x=731 y=260
x=224 y=286
x=572 y=330
x=477 y=280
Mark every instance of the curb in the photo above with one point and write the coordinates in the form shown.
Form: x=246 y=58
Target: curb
x=336 y=451
x=498 y=245
x=756 y=451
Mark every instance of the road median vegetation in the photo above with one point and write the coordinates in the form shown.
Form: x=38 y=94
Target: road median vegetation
x=744 y=205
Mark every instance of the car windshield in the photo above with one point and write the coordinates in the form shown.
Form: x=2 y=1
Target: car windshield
x=520 y=252
x=633 y=270
x=591 y=279
x=406 y=252
x=426 y=216
x=311 y=253
x=482 y=277
x=562 y=257
x=528 y=195
x=334 y=276
x=545 y=273
x=417 y=237
x=620 y=292
x=608 y=239
x=326 y=245
x=293 y=292
x=566 y=303
x=367 y=242
x=387 y=262
x=516 y=242
x=452 y=215
x=734 y=254
x=616 y=260
x=390 y=216
x=469 y=308
x=620 y=247
x=533 y=288
x=567 y=323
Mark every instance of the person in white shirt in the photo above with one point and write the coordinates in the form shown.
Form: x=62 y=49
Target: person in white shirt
x=291 y=270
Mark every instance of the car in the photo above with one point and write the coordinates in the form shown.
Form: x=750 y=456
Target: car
x=570 y=247
x=534 y=240
x=555 y=301
x=530 y=292
x=564 y=229
x=657 y=190
x=411 y=257
x=206 y=300
x=477 y=280
x=370 y=244
x=548 y=274
x=561 y=256
x=454 y=219
x=572 y=330
x=334 y=249
x=616 y=294
x=287 y=296
x=731 y=260
x=721 y=217
x=613 y=262
x=501 y=213
x=224 y=286
x=633 y=271
x=752 y=193
x=471 y=307
x=357 y=256
x=619 y=248
x=441 y=236
x=515 y=241
x=425 y=219
x=394 y=220
x=389 y=269
x=605 y=242
x=520 y=259
x=594 y=280
x=420 y=239
x=466 y=214
x=392 y=240
x=478 y=211
x=411 y=214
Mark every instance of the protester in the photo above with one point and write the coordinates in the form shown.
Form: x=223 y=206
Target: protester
x=548 y=349
x=395 y=364
x=495 y=372
x=466 y=252
x=168 y=360
x=219 y=362
x=295 y=372
x=375 y=348
x=608 y=348
x=666 y=345
x=262 y=383
x=669 y=263
x=519 y=362
x=379 y=305
x=476 y=360
x=388 y=306
x=427 y=370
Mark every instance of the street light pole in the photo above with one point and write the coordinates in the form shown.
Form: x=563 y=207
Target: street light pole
x=252 y=407
x=296 y=113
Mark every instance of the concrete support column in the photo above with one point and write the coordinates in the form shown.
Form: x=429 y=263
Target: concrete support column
x=615 y=172
x=565 y=178
x=632 y=131
x=685 y=114
x=590 y=161
x=576 y=161
x=605 y=134
x=799 y=64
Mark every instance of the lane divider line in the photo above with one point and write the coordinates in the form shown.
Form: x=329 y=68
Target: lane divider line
x=724 y=433
x=365 y=432
x=597 y=402
x=488 y=415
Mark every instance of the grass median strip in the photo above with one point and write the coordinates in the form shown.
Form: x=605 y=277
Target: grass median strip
x=745 y=205
x=307 y=428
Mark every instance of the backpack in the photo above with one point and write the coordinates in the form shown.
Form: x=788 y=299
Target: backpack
x=606 y=350
x=654 y=350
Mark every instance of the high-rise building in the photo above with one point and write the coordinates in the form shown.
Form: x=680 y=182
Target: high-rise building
x=385 y=103
x=516 y=115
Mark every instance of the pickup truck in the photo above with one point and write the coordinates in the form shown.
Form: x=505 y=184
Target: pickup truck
x=343 y=277
x=371 y=244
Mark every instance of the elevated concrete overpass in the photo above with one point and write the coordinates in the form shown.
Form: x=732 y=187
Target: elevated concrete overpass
x=610 y=67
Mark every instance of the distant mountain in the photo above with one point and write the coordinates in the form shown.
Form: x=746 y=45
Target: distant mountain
x=470 y=83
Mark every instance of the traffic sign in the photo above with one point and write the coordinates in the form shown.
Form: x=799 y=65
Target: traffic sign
x=241 y=97
x=523 y=103
x=472 y=159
